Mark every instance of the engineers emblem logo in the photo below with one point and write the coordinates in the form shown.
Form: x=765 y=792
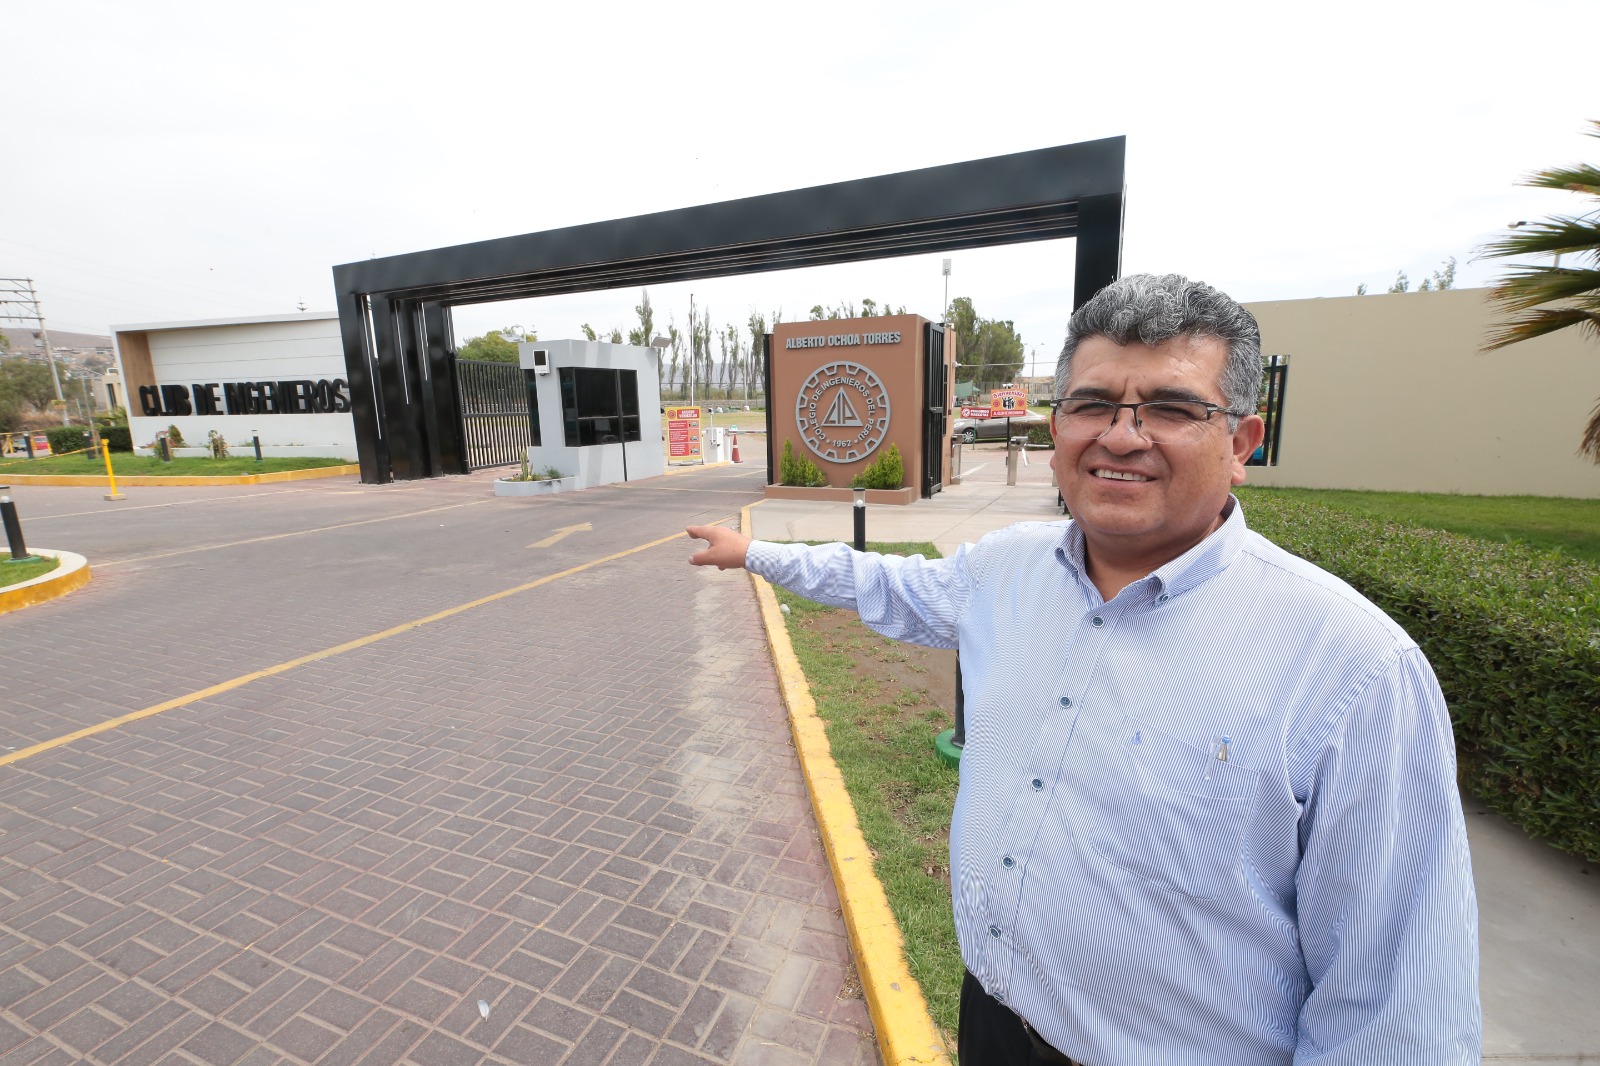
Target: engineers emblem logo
x=842 y=412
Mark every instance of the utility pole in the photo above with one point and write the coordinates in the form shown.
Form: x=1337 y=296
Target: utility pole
x=694 y=348
x=945 y=317
x=19 y=304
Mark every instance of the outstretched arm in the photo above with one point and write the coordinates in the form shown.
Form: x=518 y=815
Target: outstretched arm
x=726 y=547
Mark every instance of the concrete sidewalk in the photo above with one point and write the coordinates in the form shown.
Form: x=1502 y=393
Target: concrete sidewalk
x=1539 y=909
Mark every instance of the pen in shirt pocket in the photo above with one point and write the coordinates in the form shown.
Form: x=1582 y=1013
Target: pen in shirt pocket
x=1219 y=753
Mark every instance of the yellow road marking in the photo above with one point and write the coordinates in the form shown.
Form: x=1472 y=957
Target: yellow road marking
x=562 y=532
x=281 y=536
x=174 y=503
x=325 y=653
x=906 y=1032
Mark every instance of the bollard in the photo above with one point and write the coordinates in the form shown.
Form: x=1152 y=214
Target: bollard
x=8 y=515
x=1011 y=460
x=255 y=438
x=949 y=743
x=110 y=476
x=861 y=519
x=27 y=439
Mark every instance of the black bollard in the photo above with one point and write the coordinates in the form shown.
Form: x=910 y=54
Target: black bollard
x=8 y=514
x=861 y=520
x=255 y=438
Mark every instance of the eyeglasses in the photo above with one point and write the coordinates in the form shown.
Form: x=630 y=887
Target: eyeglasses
x=1157 y=421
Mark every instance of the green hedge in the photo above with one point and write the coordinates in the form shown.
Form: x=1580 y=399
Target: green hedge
x=1512 y=632
x=887 y=471
x=118 y=437
x=65 y=439
x=1039 y=437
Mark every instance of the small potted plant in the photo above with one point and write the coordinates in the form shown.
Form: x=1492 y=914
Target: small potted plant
x=531 y=482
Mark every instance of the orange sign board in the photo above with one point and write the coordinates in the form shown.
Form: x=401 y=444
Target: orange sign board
x=683 y=433
x=1008 y=403
x=41 y=445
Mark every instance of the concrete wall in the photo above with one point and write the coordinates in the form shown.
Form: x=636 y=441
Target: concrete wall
x=270 y=348
x=601 y=464
x=1391 y=392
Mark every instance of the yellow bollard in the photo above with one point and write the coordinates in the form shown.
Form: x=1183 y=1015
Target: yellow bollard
x=113 y=494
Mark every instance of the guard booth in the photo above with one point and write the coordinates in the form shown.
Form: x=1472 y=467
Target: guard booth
x=594 y=409
x=841 y=391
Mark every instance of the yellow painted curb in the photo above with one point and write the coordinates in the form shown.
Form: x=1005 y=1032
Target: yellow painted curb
x=906 y=1031
x=159 y=480
x=73 y=573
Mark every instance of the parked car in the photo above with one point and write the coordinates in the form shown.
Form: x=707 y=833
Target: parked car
x=972 y=430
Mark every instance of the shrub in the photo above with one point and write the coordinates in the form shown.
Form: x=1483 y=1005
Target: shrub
x=65 y=439
x=1514 y=636
x=798 y=470
x=887 y=471
x=218 y=445
x=175 y=437
x=1039 y=437
x=118 y=437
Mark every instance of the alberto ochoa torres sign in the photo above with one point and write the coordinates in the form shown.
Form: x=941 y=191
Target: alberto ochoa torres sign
x=301 y=397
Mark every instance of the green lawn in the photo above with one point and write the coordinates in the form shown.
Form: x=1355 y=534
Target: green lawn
x=882 y=735
x=15 y=573
x=125 y=463
x=1555 y=524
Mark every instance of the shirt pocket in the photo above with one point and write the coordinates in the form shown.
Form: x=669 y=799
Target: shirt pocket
x=1171 y=813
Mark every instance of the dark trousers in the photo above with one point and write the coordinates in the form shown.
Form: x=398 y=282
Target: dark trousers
x=989 y=1034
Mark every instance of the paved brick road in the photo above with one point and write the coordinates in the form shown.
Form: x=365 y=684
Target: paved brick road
x=577 y=804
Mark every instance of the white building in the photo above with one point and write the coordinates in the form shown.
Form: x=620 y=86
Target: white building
x=279 y=377
x=597 y=410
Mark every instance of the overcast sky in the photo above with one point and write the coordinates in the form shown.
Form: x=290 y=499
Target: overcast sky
x=172 y=160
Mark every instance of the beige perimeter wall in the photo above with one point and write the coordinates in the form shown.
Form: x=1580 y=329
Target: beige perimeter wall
x=1390 y=392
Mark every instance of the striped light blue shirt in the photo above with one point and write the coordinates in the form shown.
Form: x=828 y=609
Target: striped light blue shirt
x=1214 y=820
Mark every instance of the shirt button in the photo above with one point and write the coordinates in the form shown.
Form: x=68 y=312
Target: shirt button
x=1008 y=862
x=1163 y=598
x=1037 y=784
x=1098 y=621
x=994 y=931
x=1066 y=701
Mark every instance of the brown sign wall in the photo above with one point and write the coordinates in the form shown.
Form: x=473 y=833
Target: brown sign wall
x=843 y=390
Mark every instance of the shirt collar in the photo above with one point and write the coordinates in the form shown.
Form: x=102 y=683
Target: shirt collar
x=1200 y=563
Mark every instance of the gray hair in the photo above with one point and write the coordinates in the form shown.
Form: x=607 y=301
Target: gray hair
x=1153 y=309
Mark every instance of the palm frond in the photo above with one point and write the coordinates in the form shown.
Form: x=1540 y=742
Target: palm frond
x=1578 y=177
x=1529 y=286
x=1589 y=448
x=1560 y=234
x=1538 y=323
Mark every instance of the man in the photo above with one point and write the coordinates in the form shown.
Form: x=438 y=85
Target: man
x=1208 y=810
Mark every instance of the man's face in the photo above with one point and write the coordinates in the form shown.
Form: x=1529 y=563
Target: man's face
x=1141 y=505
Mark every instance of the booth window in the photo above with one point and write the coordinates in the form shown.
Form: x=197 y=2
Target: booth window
x=599 y=406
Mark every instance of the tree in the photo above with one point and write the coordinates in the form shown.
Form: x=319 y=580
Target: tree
x=24 y=386
x=1401 y=283
x=1544 y=299
x=588 y=332
x=492 y=346
x=988 y=351
x=647 y=323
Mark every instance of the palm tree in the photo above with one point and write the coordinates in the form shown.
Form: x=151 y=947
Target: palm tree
x=1528 y=292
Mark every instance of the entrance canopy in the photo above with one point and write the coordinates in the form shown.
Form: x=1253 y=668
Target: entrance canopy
x=393 y=312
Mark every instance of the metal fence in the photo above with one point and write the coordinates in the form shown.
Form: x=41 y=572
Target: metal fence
x=496 y=418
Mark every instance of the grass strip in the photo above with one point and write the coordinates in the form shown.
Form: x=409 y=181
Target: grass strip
x=882 y=739
x=16 y=573
x=1569 y=526
x=126 y=465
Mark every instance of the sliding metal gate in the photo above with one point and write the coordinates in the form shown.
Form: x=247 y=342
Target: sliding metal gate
x=497 y=421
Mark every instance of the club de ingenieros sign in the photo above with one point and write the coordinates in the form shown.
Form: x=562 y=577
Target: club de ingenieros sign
x=302 y=397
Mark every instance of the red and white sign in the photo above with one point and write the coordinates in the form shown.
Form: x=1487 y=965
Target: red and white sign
x=1008 y=403
x=683 y=433
x=41 y=445
x=974 y=412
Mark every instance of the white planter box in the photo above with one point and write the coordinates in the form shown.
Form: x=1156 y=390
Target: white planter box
x=503 y=487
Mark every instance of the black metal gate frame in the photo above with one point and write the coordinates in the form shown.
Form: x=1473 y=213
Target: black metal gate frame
x=394 y=312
